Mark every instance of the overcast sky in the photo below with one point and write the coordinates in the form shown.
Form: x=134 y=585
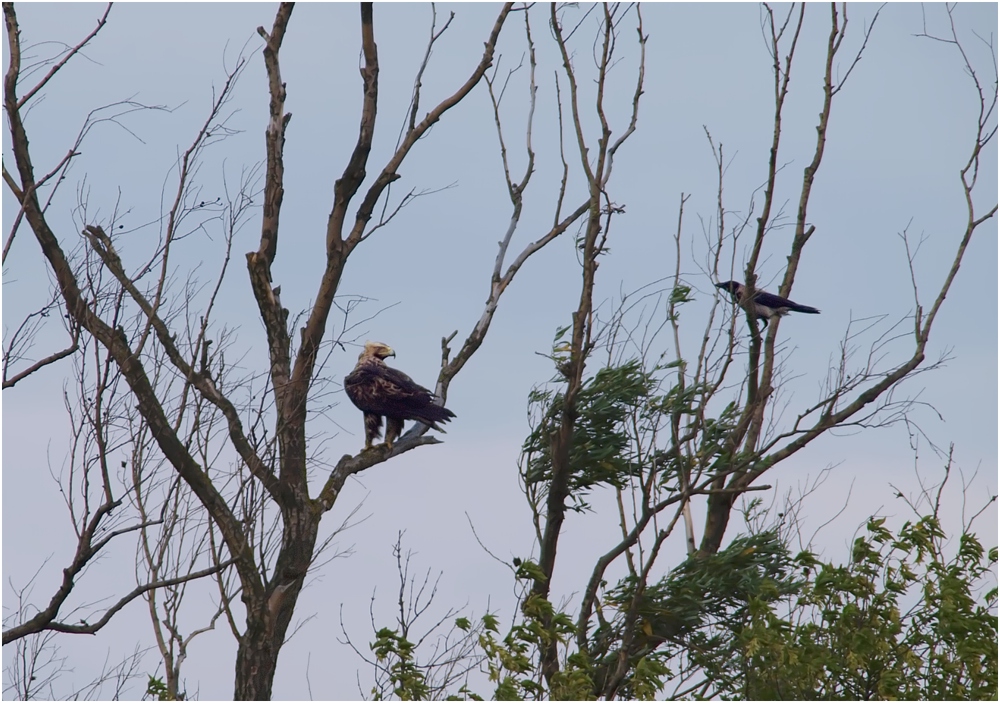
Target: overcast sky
x=901 y=130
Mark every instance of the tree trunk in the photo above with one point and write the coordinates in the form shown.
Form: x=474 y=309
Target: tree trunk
x=268 y=618
x=256 y=662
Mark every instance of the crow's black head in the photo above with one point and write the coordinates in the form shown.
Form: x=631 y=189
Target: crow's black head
x=729 y=286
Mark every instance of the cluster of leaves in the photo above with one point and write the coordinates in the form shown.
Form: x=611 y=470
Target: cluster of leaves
x=653 y=625
x=619 y=412
x=397 y=653
x=511 y=659
x=157 y=690
x=602 y=447
x=508 y=660
x=753 y=621
x=899 y=621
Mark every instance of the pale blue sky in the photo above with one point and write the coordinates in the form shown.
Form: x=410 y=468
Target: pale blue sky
x=900 y=132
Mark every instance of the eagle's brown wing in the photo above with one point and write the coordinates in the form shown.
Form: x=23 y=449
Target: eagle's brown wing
x=380 y=390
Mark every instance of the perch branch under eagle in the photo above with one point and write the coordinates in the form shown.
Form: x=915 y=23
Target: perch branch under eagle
x=378 y=390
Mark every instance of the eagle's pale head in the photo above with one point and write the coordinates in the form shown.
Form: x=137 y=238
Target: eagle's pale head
x=376 y=350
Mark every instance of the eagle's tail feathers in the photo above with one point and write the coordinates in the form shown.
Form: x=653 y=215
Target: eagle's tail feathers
x=433 y=414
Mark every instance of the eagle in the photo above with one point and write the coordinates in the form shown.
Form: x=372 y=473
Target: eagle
x=377 y=390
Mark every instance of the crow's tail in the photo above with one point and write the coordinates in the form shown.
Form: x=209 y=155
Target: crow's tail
x=805 y=308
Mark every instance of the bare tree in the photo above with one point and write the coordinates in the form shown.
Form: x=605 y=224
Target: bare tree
x=236 y=449
x=38 y=666
x=450 y=642
x=853 y=398
x=94 y=490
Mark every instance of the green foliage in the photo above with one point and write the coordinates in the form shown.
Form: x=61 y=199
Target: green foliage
x=618 y=411
x=601 y=451
x=694 y=608
x=900 y=621
x=528 y=571
x=157 y=690
x=607 y=409
x=680 y=294
x=511 y=661
x=396 y=653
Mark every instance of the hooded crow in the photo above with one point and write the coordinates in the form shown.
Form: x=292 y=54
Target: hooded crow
x=765 y=305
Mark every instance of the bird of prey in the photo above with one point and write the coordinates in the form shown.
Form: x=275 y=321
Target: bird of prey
x=378 y=390
x=764 y=305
